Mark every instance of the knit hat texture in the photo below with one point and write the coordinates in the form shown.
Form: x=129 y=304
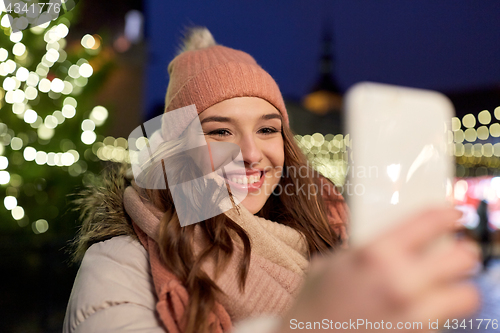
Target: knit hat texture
x=207 y=74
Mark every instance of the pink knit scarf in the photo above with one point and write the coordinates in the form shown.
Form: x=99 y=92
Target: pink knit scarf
x=277 y=267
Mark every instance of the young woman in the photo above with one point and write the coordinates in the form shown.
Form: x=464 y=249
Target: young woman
x=145 y=270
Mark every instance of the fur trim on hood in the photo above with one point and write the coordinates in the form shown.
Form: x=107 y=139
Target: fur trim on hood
x=102 y=214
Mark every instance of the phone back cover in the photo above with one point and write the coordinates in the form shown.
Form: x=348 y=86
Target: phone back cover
x=401 y=158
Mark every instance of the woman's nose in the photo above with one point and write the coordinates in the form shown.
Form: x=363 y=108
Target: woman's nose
x=250 y=150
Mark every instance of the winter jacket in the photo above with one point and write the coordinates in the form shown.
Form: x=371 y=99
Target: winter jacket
x=113 y=290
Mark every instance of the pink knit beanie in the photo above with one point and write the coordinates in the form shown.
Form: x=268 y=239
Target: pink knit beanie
x=205 y=74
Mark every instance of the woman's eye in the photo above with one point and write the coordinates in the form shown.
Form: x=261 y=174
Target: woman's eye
x=268 y=130
x=219 y=132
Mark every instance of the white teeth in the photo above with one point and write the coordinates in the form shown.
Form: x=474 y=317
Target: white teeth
x=245 y=180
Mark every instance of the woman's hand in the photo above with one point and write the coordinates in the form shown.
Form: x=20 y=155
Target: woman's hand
x=410 y=274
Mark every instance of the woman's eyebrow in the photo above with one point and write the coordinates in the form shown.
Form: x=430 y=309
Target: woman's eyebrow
x=218 y=119
x=271 y=116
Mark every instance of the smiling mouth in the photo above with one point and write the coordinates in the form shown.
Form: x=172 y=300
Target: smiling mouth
x=244 y=181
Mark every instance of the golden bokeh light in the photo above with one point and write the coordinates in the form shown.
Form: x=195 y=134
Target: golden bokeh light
x=470 y=134
x=469 y=120
x=483 y=133
x=496 y=112
x=484 y=117
x=459 y=136
x=495 y=130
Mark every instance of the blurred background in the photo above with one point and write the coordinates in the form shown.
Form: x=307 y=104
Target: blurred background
x=72 y=91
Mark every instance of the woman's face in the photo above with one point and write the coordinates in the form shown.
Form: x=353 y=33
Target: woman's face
x=255 y=126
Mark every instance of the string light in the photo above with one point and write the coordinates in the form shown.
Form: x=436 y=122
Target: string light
x=496 y=112
x=4 y=177
x=19 y=49
x=9 y=84
x=17 y=212
x=98 y=115
x=41 y=157
x=88 y=137
x=459 y=149
x=29 y=153
x=40 y=226
x=33 y=79
x=44 y=85
x=468 y=149
x=9 y=202
x=44 y=132
x=88 y=41
x=469 y=121
x=458 y=136
x=483 y=133
x=496 y=149
x=16 y=37
x=88 y=125
x=86 y=70
x=31 y=93
x=477 y=150
x=487 y=150
x=495 y=130
x=22 y=74
x=4 y=22
x=68 y=111
x=59 y=117
x=74 y=71
x=16 y=143
x=470 y=134
x=484 y=117
x=4 y=162
x=57 y=85
x=25 y=82
x=3 y=54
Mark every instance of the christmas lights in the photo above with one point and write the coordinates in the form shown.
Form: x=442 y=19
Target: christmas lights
x=41 y=122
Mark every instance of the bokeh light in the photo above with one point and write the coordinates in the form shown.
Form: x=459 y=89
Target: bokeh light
x=40 y=226
x=469 y=120
x=88 y=137
x=484 y=117
x=17 y=212
x=9 y=202
x=98 y=115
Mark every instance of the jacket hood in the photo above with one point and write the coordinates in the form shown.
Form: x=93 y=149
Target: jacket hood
x=102 y=214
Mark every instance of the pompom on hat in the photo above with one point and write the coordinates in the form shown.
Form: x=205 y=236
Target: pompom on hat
x=205 y=74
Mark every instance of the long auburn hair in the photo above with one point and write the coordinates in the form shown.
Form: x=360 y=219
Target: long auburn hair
x=304 y=212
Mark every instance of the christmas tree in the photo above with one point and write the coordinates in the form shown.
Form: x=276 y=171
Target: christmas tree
x=48 y=124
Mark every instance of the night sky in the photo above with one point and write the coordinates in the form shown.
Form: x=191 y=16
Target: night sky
x=446 y=45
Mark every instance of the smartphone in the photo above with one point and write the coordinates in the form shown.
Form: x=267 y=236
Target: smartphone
x=401 y=155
